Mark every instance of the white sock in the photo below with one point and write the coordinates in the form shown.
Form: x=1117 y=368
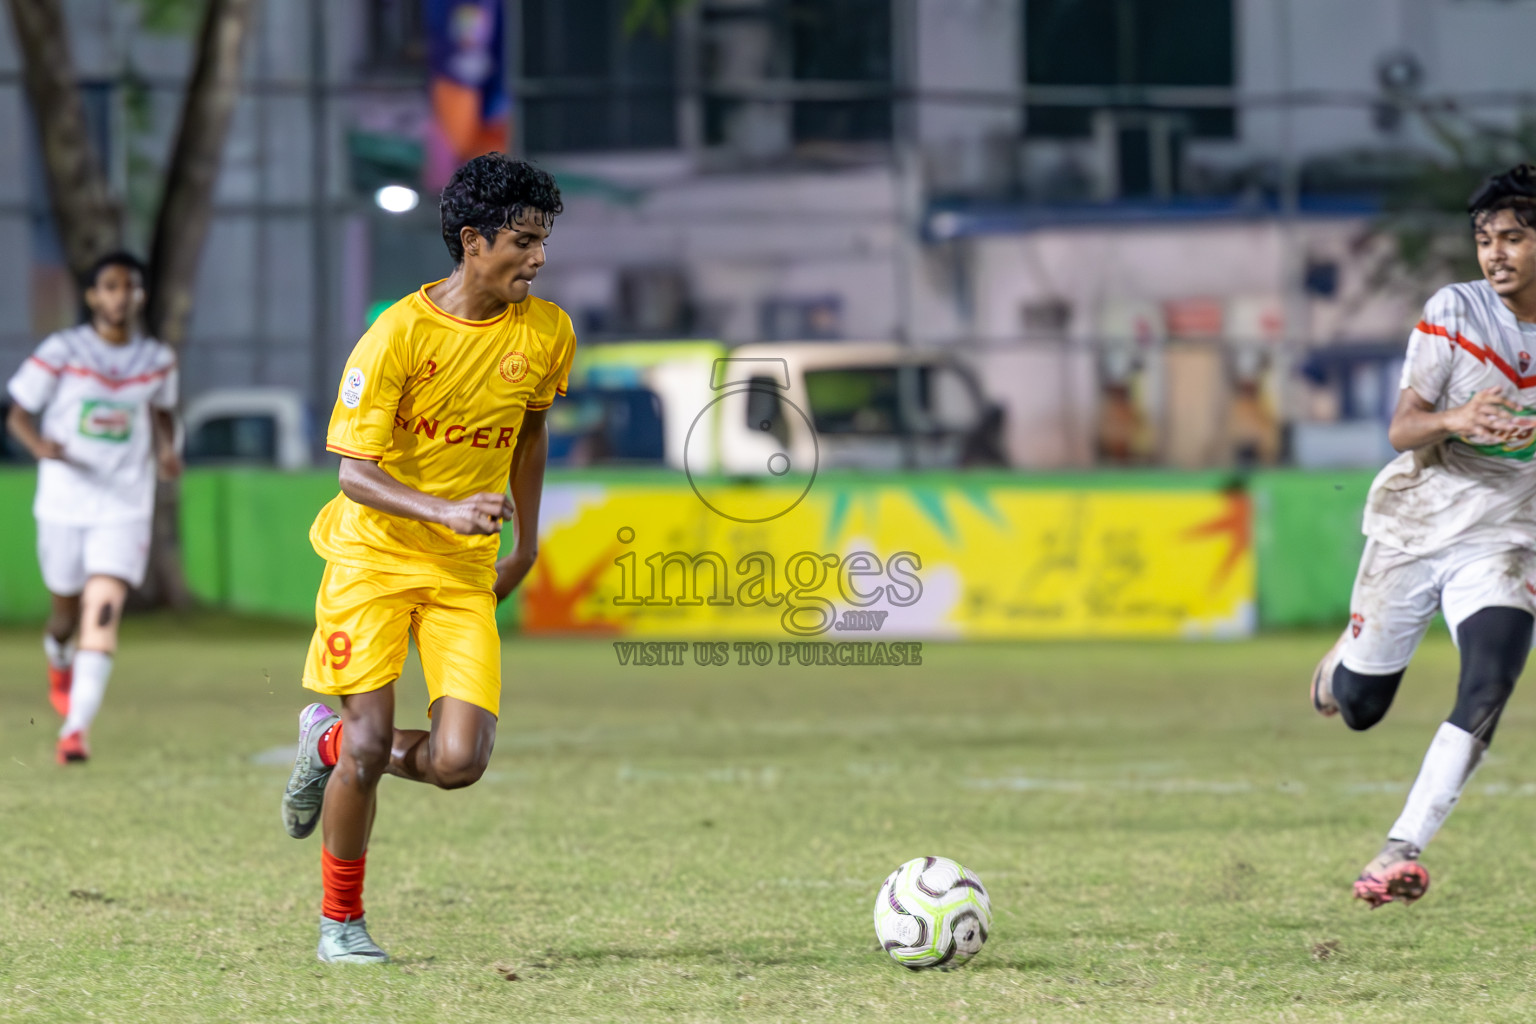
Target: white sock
x=60 y=652
x=1453 y=756
x=92 y=670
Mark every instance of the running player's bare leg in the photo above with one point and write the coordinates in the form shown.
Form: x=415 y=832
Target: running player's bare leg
x=351 y=795
x=351 y=800
x=101 y=609
x=454 y=753
x=59 y=648
x=63 y=617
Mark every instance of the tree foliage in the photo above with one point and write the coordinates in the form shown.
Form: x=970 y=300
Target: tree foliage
x=655 y=15
x=1426 y=213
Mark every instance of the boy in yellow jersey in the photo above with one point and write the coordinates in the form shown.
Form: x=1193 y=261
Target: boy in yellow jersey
x=441 y=405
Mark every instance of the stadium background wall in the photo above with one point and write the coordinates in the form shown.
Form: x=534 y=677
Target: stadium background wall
x=245 y=533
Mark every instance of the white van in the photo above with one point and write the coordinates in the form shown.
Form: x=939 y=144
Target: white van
x=863 y=405
x=775 y=408
x=249 y=427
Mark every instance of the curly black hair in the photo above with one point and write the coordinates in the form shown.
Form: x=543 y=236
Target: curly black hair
x=489 y=193
x=120 y=258
x=1514 y=190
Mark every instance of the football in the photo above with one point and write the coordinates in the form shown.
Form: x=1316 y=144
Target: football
x=931 y=912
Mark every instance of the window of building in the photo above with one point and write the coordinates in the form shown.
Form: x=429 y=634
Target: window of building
x=841 y=40
x=1127 y=43
x=395 y=37
x=750 y=41
x=592 y=85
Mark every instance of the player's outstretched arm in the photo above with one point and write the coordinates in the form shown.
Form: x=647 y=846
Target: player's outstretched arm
x=527 y=480
x=1485 y=419
x=23 y=427
x=366 y=483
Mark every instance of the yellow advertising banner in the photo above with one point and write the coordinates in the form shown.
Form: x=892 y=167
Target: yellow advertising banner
x=933 y=559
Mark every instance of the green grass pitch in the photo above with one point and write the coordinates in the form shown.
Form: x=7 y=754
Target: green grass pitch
x=1166 y=830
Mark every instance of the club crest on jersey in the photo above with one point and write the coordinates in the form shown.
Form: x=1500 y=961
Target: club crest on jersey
x=1356 y=621
x=514 y=367
x=1524 y=359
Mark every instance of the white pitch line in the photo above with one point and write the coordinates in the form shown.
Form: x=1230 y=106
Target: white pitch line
x=1023 y=784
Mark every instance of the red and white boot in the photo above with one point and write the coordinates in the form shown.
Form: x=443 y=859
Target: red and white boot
x=1395 y=875
x=59 y=682
x=72 y=749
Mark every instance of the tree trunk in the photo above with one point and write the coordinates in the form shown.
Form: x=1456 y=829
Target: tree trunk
x=181 y=225
x=88 y=219
x=187 y=203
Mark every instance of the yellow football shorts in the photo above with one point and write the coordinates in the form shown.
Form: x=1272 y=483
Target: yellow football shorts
x=363 y=618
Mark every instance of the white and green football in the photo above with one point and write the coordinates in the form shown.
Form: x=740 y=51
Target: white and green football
x=931 y=912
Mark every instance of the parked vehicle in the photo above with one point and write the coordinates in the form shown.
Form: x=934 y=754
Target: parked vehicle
x=629 y=402
x=769 y=409
x=863 y=405
x=248 y=426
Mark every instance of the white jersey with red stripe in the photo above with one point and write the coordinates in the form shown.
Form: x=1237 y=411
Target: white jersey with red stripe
x=94 y=398
x=1455 y=492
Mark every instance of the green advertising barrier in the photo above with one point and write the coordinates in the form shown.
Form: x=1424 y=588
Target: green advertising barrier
x=245 y=533
x=258 y=560
x=1306 y=537
x=245 y=541
x=23 y=598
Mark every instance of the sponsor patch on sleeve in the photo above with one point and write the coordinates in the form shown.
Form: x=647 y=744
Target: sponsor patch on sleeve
x=352 y=388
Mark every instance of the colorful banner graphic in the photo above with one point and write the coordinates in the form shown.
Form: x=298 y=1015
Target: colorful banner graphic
x=869 y=561
x=467 y=82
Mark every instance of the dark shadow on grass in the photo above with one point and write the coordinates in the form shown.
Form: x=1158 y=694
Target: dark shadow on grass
x=1031 y=964
x=412 y=961
x=724 y=956
x=727 y=957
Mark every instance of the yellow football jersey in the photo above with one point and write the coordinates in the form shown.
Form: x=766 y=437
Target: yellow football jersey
x=437 y=401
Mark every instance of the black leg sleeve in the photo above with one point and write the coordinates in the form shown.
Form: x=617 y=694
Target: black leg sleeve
x=1494 y=644
x=1363 y=700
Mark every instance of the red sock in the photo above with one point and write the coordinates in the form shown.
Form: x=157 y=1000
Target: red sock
x=343 y=880
x=330 y=745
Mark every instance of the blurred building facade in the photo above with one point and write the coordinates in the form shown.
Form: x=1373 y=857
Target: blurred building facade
x=1141 y=218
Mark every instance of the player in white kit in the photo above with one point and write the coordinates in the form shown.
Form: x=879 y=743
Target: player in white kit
x=1451 y=526
x=93 y=404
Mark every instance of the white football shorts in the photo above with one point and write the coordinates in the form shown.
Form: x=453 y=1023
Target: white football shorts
x=69 y=554
x=1397 y=594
